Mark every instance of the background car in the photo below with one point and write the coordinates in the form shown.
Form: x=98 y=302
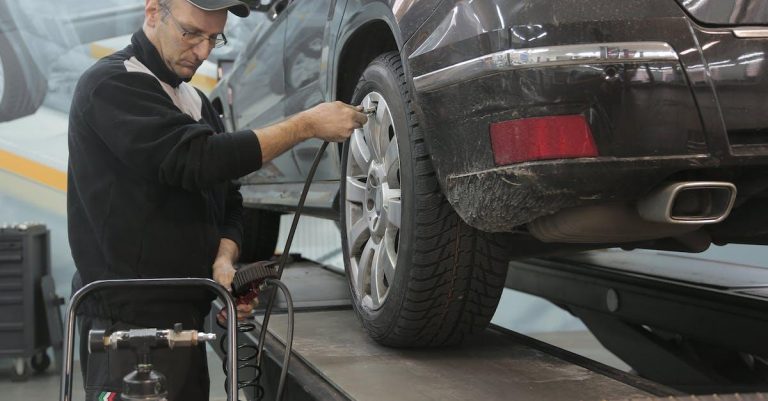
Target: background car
x=507 y=128
x=34 y=34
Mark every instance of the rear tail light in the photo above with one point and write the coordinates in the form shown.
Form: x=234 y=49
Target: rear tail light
x=541 y=138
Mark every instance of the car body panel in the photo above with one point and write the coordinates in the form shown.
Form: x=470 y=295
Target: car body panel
x=306 y=85
x=737 y=71
x=411 y=14
x=359 y=13
x=458 y=116
x=258 y=97
x=651 y=119
x=727 y=12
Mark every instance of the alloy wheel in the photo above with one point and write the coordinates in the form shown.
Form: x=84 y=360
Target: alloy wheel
x=372 y=204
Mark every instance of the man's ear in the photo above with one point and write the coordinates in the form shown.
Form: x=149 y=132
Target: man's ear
x=151 y=13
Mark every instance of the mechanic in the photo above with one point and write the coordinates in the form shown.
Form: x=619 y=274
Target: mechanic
x=150 y=192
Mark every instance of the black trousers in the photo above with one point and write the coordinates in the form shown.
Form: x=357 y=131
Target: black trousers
x=185 y=369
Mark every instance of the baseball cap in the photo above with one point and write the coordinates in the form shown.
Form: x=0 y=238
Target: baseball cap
x=234 y=6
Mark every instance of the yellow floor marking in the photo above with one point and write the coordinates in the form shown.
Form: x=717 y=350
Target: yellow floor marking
x=32 y=193
x=33 y=171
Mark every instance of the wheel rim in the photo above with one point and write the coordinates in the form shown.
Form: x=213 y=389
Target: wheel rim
x=372 y=205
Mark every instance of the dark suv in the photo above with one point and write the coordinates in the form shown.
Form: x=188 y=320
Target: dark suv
x=509 y=128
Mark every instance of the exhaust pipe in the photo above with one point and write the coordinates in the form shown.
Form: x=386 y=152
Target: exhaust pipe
x=695 y=202
x=670 y=211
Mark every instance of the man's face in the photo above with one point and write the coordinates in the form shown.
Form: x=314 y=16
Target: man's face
x=180 y=34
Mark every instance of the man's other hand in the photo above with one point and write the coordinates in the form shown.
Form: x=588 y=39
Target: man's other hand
x=224 y=273
x=243 y=312
x=333 y=121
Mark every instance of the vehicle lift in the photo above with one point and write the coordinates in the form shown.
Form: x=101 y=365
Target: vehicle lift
x=652 y=309
x=692 y=323
x=624 y=301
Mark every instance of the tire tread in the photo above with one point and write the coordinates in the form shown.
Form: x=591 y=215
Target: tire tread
x=456 y=272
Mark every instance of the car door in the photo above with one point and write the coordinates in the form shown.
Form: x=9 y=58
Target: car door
x=306 y=64
x=257 y=88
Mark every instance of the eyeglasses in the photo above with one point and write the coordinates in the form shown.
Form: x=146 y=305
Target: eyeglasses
x=195 y=38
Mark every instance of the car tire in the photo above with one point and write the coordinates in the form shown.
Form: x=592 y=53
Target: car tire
x=442 y=278
x=22 y=86
x=260 y=231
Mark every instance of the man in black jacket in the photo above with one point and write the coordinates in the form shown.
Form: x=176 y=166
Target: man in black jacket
x=150 y=192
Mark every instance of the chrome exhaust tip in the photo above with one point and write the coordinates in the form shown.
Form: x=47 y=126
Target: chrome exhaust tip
x=695 y=202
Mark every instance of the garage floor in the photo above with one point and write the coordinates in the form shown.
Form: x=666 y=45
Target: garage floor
x=489 y=366
x=45 y=386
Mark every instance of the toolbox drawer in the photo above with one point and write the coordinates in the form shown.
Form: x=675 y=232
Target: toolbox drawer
x=12 y=338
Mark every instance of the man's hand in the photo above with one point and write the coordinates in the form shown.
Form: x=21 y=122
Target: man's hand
x=243 y=312
x=333 y=121
x=223 y=273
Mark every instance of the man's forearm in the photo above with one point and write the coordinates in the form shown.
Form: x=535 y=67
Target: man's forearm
x=223 y=267
x=228 y=252
x=280 y=137
x=333 y=121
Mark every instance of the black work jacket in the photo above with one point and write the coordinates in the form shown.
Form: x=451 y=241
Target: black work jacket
x=149 y=178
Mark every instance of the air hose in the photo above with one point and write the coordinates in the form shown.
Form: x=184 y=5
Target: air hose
x=252 y=279
x=283 y=260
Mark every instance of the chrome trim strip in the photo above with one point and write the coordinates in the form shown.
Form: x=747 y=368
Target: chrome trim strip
x=751 y=32
x=702 y=159
x=536 y=57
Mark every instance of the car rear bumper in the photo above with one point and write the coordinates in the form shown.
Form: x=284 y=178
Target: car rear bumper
x=501 y=199
x=651 y=97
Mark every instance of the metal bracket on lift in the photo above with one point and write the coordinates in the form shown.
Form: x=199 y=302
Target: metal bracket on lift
x=692 y=337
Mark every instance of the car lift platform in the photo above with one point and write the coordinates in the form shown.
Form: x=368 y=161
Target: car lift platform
x=675 y=318
x=334 y=359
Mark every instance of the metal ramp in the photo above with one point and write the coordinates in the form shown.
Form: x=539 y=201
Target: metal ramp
x=334 y=359
x=657 y=311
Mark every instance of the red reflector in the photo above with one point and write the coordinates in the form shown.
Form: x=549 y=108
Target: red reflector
x=541 y=138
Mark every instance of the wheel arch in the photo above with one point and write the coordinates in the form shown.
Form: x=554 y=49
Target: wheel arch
x=361 y=46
